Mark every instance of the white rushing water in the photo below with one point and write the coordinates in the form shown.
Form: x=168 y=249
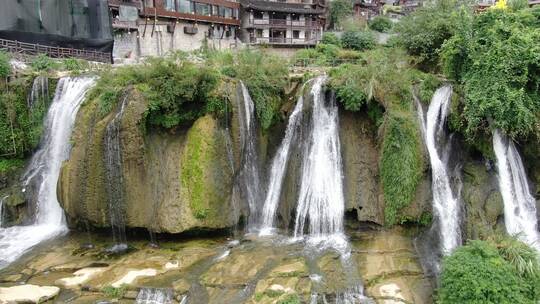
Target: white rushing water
x=250 y=170
x=321 y=202
x=445 y=204
x=43 y=171
x=155 y=296
x=277 y=171
x=2 y=200
x=519 y=204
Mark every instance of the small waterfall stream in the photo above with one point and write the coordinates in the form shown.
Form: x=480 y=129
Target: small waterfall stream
x=445 y=203
x=519 y=205
x=277 y=171
x=115 y=179
x=39 y=92
x=321 y=202
x=2 y=200
x=250 y=169
x=43 y=171
x=155 y=296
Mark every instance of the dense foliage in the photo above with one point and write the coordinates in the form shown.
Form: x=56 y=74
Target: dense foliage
x=385 y=77
x=491 y=272
x=330 y=38
x=181 y=88
x=424 y=32
x=358 y=40
x=339 y=11
x=497 y=60
x=5 y=67
x=20 y=126
x=325 y=55
x=265 y=76
x=381 y=24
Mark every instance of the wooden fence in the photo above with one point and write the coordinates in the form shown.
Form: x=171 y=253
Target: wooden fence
x=14 y=46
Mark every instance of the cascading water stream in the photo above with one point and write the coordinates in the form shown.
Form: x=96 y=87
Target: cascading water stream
x=519 y=205
x=445 y=204
x=321 y=201
x=2 y=200
x=115 y=179
x=277 y=171
x=39 y=92
x=43 y=171
x=155 y=296
x=249 y=172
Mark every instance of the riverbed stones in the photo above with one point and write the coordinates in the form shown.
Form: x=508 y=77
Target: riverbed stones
x=27 y=294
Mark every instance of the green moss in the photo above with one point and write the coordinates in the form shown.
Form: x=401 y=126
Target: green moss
x=290 y=299
x=200 y=160
x=401 y=165
x=113 y=292
x=8 y=165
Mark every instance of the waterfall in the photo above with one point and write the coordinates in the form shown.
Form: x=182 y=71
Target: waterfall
x=321 y=201
x=43 y=171
x=249 y=172
x=519 y=205
x=445 y=204
x=115 y=179
x=2 y=200
x=39 y=92
x=277 y=171
x=155 y=296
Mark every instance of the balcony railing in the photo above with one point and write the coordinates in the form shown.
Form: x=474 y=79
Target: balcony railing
x=284 y=23
x=283 y=40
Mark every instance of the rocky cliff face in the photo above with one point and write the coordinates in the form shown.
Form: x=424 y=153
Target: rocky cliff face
x=172 y=182
x=186 y=179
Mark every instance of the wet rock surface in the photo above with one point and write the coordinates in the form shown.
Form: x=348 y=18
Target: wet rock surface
x=253 y=269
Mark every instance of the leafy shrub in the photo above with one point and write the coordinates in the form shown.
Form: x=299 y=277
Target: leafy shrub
x=5 y=67
x=265 y=76
x=358 y=40
x=478 y=273
x=20 y=127
x=330 y=38
x=7 y=165
x=114 y=292
x=496 y=60
x=74 y=65
x=43 y=63
x=423 y=32
x=381 y=24
x=401 y=164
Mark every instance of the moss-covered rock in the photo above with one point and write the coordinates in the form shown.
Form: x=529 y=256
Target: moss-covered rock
x=173 y=181
x=483 y=201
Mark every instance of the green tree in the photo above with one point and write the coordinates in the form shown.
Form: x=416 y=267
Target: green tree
x=358 y=40
x=381 y=24
x=497 y=61
x=339 y=11
x=423 y=32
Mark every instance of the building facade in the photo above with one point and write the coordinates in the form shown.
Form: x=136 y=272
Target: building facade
x=284 y=23
x=156 y=27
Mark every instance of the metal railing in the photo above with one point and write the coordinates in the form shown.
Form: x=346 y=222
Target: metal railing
x=283 y=40
x=283 y=22
x=15 y=46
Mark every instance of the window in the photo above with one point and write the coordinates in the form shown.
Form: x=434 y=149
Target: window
x=215 y=10
x=296 y=34
x=225 y=12
x=259 y=33
x=258 y=15
x=295 y=17
x=169 y=5
x=202 y=9
x=184 y=6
